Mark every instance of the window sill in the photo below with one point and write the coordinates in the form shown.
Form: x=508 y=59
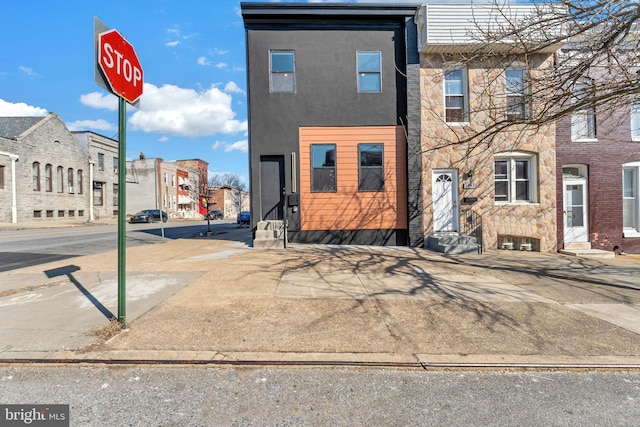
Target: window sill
x=458 y=123
x=517 y=203
x=635 y=139
x=630 y=233
x=585 y=140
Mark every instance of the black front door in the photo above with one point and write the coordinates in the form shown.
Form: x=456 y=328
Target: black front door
x=272 y=187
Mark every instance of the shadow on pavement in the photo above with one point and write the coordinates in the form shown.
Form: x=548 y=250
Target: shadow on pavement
x=68 y=271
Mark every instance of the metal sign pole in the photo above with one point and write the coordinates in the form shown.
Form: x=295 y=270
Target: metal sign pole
x=122 y=210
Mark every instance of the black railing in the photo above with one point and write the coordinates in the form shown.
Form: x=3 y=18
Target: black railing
x=471 y=225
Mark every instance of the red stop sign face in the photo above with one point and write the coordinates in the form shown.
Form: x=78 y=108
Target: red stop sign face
x=119 y=63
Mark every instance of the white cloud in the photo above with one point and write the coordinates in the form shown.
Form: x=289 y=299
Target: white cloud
x=99 y=124
x=28 y=71
x=232 y=87
x=217 y=51
x=172 y=43
x=163 y=138
x=100 y=101
x=227 y=147
x=20 y=109
x=204 y=61
x=221 y=65
x=238 y=146
x=186 y=112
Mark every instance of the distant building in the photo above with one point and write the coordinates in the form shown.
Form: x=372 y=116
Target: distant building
x=229 y=200
x=200 y=185
x=103 y=173
x=153 y=183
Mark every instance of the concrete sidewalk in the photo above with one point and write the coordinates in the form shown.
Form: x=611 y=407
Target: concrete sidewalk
x=216 y=299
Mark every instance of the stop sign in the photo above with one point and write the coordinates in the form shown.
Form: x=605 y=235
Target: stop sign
x=119 y=63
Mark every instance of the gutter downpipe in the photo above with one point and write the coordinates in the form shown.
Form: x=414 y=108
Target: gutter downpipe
x=91 y=164
x=14 y=191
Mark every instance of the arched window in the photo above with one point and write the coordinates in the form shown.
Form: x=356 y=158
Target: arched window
x=48 y=178
x=79 y=182
x=70 y=180
x=36 y=176
x=60 y=178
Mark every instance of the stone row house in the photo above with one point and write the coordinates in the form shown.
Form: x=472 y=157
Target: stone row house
x=363 y=129
x=49 y=173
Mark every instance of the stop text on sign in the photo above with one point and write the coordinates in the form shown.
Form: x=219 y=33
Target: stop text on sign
x=112 y=57
x=120 y=65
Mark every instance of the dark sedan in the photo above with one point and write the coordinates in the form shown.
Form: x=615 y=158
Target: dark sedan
x=214 y=214
x=149 y=215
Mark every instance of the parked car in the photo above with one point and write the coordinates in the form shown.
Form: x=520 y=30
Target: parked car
x=214 y=214
x=244 y=217
x=149 y=215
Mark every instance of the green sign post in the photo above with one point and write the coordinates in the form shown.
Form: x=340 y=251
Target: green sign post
x=119 y=71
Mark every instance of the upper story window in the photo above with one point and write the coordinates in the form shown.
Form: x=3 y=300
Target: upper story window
x=515 y=90
x=515 y=176
x=48 y=178
x=631 y=199
x=282 y=71
x=36 y=176
x=60 y=177
x=115 y=165
x=369 y=71
x=1 y=177
x=70 y=180
x=371 y=170
x=455 y=92
x=323 y=168
x=583 y=118
x=79 y=182
x=100 y=161
x=635 y=119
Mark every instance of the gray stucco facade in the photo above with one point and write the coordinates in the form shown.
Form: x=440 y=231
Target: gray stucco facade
x=325 y=40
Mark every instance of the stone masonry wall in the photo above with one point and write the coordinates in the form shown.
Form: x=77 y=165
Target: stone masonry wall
x=458 y=147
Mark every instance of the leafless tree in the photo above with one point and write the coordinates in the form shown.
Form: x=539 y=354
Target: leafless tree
x=595 y=65
x=227 y=179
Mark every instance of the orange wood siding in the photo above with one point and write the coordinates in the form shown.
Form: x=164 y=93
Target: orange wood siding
x=348 y=209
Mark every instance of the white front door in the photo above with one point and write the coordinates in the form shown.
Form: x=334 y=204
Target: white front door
x=576 y=225
x=445 y=201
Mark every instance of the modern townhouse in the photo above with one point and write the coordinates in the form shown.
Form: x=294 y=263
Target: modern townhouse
x=328 y=113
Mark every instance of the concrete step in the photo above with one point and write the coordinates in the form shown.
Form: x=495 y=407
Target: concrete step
x=270 y=225
x=266 y=234
x=454 y=244
x=588 y=253
x=268 y=243
x=578 y=246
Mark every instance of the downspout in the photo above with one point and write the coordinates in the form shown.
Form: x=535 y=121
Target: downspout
x=91 y=164
x=14 y=192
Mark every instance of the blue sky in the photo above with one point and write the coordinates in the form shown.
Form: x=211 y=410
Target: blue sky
x=192 y=52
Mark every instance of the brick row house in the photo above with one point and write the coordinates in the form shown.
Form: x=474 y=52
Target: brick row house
x=366 y=125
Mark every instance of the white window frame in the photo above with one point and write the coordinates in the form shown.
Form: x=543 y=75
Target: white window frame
x=366 y=72
x=583 y=122
x=635 y=118
x=511 y=158
x=447 y=69
x=635 y=198
x=521 y=93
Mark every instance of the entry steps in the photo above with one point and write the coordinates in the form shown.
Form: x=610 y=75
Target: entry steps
x=583 y=250
x=454 y=244
x=269 y=235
